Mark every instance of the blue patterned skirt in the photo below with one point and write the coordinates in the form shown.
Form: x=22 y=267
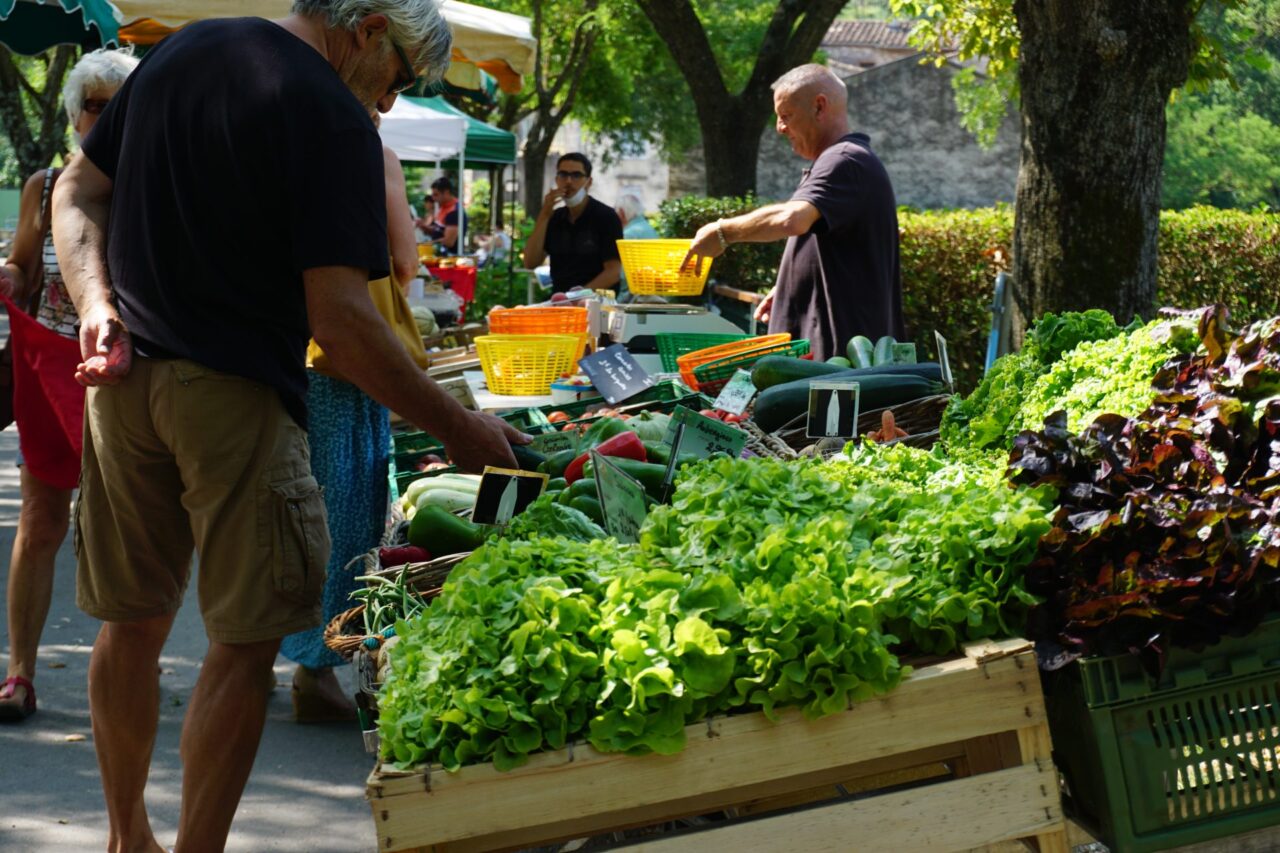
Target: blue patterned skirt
x=349 y=436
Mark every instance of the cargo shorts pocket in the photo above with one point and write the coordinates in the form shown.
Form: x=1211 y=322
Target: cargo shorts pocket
x=301 y=541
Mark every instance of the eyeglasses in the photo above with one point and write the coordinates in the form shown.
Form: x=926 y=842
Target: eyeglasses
x=570 y=176
x=401 y=84
x=94 y=106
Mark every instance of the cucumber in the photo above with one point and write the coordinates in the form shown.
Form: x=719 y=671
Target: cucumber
x=776 y=369
x=883 y=352
x=861 y=351
x=527 y=459
x=781 y=403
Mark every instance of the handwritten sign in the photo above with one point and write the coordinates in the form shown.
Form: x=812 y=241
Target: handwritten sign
x=615 y=373
x=737 y=393
x=702 y=436
x=833 y=408
x=944 y=361
x=505 y=493
x=903 y=353
x=554 y=442
x=622 y=499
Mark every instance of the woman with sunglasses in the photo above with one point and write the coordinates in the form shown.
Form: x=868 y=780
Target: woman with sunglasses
x=31 y=278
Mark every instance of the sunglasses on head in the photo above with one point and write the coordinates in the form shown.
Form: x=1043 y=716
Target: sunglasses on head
x=94 y=106
x=402 y=84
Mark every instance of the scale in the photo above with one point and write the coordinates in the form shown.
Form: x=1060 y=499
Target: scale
x=637 y=324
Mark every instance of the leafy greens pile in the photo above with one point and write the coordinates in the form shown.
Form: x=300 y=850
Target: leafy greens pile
x=764 y=584
x=1168 y=528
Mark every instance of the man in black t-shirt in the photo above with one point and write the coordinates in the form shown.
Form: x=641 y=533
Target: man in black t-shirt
x=581 y=236
x=214 y=224
x=839 y=275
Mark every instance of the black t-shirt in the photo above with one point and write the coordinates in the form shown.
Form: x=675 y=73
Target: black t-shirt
x=842 y=278
x=579 y=249
x=451 y=218
x=239 y=160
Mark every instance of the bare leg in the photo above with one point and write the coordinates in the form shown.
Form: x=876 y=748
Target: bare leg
x=220 y=739
x=124 y=696
x=42 y=525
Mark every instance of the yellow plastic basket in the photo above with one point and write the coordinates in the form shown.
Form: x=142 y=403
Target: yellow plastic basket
x=526 y=365
x=653 y=268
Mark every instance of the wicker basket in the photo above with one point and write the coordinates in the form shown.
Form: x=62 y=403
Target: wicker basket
x=337 y=634
x=765 y=445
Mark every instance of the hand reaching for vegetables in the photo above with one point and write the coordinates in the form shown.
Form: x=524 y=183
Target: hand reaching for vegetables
x=483 y=439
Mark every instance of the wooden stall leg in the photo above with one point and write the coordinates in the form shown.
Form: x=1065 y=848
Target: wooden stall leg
x=1036 y=746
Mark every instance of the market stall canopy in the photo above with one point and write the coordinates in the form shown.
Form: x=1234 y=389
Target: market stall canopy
x=485 y=144
x=483 y=39
x=30 y=26
x=417 y=133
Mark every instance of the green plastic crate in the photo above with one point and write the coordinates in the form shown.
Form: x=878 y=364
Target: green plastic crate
x=713 y=375
x=414 y=444
x=1190 y=757
x=672 y=345
x=663 y=392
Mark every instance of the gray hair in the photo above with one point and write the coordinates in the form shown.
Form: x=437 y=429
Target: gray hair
x=631 y=206
x=416 y=25
x=814 y=78
x=101 y=69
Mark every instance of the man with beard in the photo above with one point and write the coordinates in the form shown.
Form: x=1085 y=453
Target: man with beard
x=216 y=222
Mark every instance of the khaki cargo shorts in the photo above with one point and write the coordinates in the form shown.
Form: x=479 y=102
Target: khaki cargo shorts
x=177 y=458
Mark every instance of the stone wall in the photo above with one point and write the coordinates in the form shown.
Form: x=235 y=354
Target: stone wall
x=909 y=112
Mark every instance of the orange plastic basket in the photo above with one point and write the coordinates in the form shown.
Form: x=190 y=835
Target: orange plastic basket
x=526 y=365
x=689 y=361
x=653 y=268
x=538 y=321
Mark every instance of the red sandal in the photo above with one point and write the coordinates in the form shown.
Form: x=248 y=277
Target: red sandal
x=11 y=710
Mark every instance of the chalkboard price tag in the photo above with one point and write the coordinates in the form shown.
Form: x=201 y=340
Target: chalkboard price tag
x=736 y=394
x=505 y=493
x=621 y=497
x=553 y=442
x=615 y=373
x=702 y=436
x=904 y=353
x=944 y=361
x=833 y=408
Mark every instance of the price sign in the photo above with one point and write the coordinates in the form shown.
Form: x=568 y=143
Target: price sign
x=621 y=497
x=944 y=361
x=702 y=436
x=505 y=493
x=615 y=373
x=903 y=354
x=736 y=394
x=833 y=408
x=553 y=442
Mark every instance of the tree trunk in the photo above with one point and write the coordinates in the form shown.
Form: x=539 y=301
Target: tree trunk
x=1095 y=78
x=731 y=145
x=536 y=147
x=34 y=151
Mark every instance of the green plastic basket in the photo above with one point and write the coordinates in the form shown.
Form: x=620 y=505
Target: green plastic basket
x=663 y=392
x=1190 y=757
x=672 y=345
x=530 y=420
x=712 y=376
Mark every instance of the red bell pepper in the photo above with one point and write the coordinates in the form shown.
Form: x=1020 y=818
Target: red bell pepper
x=624 y=445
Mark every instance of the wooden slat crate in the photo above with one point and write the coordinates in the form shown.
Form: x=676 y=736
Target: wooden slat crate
x=959 y=753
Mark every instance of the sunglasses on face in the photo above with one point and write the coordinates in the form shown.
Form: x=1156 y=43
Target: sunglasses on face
x=570 y=176
x=401 y=83
x=94 y=106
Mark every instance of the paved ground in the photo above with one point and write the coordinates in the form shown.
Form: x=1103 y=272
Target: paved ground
x=306 y=793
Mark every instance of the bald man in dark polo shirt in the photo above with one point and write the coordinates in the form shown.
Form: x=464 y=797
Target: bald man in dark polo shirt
x=839 y=275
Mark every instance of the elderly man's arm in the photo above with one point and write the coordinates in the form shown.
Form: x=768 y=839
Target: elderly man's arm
x=362 y=348
x=81 y=210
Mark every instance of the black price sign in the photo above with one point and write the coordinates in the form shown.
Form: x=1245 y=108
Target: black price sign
x=833 y=409
x=615 y=373
x=505 y=493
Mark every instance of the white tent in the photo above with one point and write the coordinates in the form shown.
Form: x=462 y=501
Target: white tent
x=497 y=42
x=417 y=133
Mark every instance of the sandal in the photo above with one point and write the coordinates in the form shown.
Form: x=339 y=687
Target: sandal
x=11 y=710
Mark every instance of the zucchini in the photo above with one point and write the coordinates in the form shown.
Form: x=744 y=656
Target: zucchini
x=861 y=351
x=840 y=361
x=451 y=500
x=776 y=369
x=883 y=352
x=527 y=459
x=590 y=507
x=781 y=403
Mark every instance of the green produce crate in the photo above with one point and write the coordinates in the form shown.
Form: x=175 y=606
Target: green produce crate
x=1193 y=756
x=417 y=443
x=669 y=391
x=713 y=375
x=672 y=345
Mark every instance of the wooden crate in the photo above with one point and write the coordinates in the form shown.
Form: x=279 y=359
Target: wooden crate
x=956 y=758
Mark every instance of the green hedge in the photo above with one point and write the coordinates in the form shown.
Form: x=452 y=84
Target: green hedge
x=950 y=260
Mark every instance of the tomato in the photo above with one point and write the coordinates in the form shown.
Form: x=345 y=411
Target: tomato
x=710 y=413
x=558 y=417
x=567 y=428
x=731 y=418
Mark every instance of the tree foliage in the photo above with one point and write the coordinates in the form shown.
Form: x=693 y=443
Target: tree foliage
x=31 y=114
